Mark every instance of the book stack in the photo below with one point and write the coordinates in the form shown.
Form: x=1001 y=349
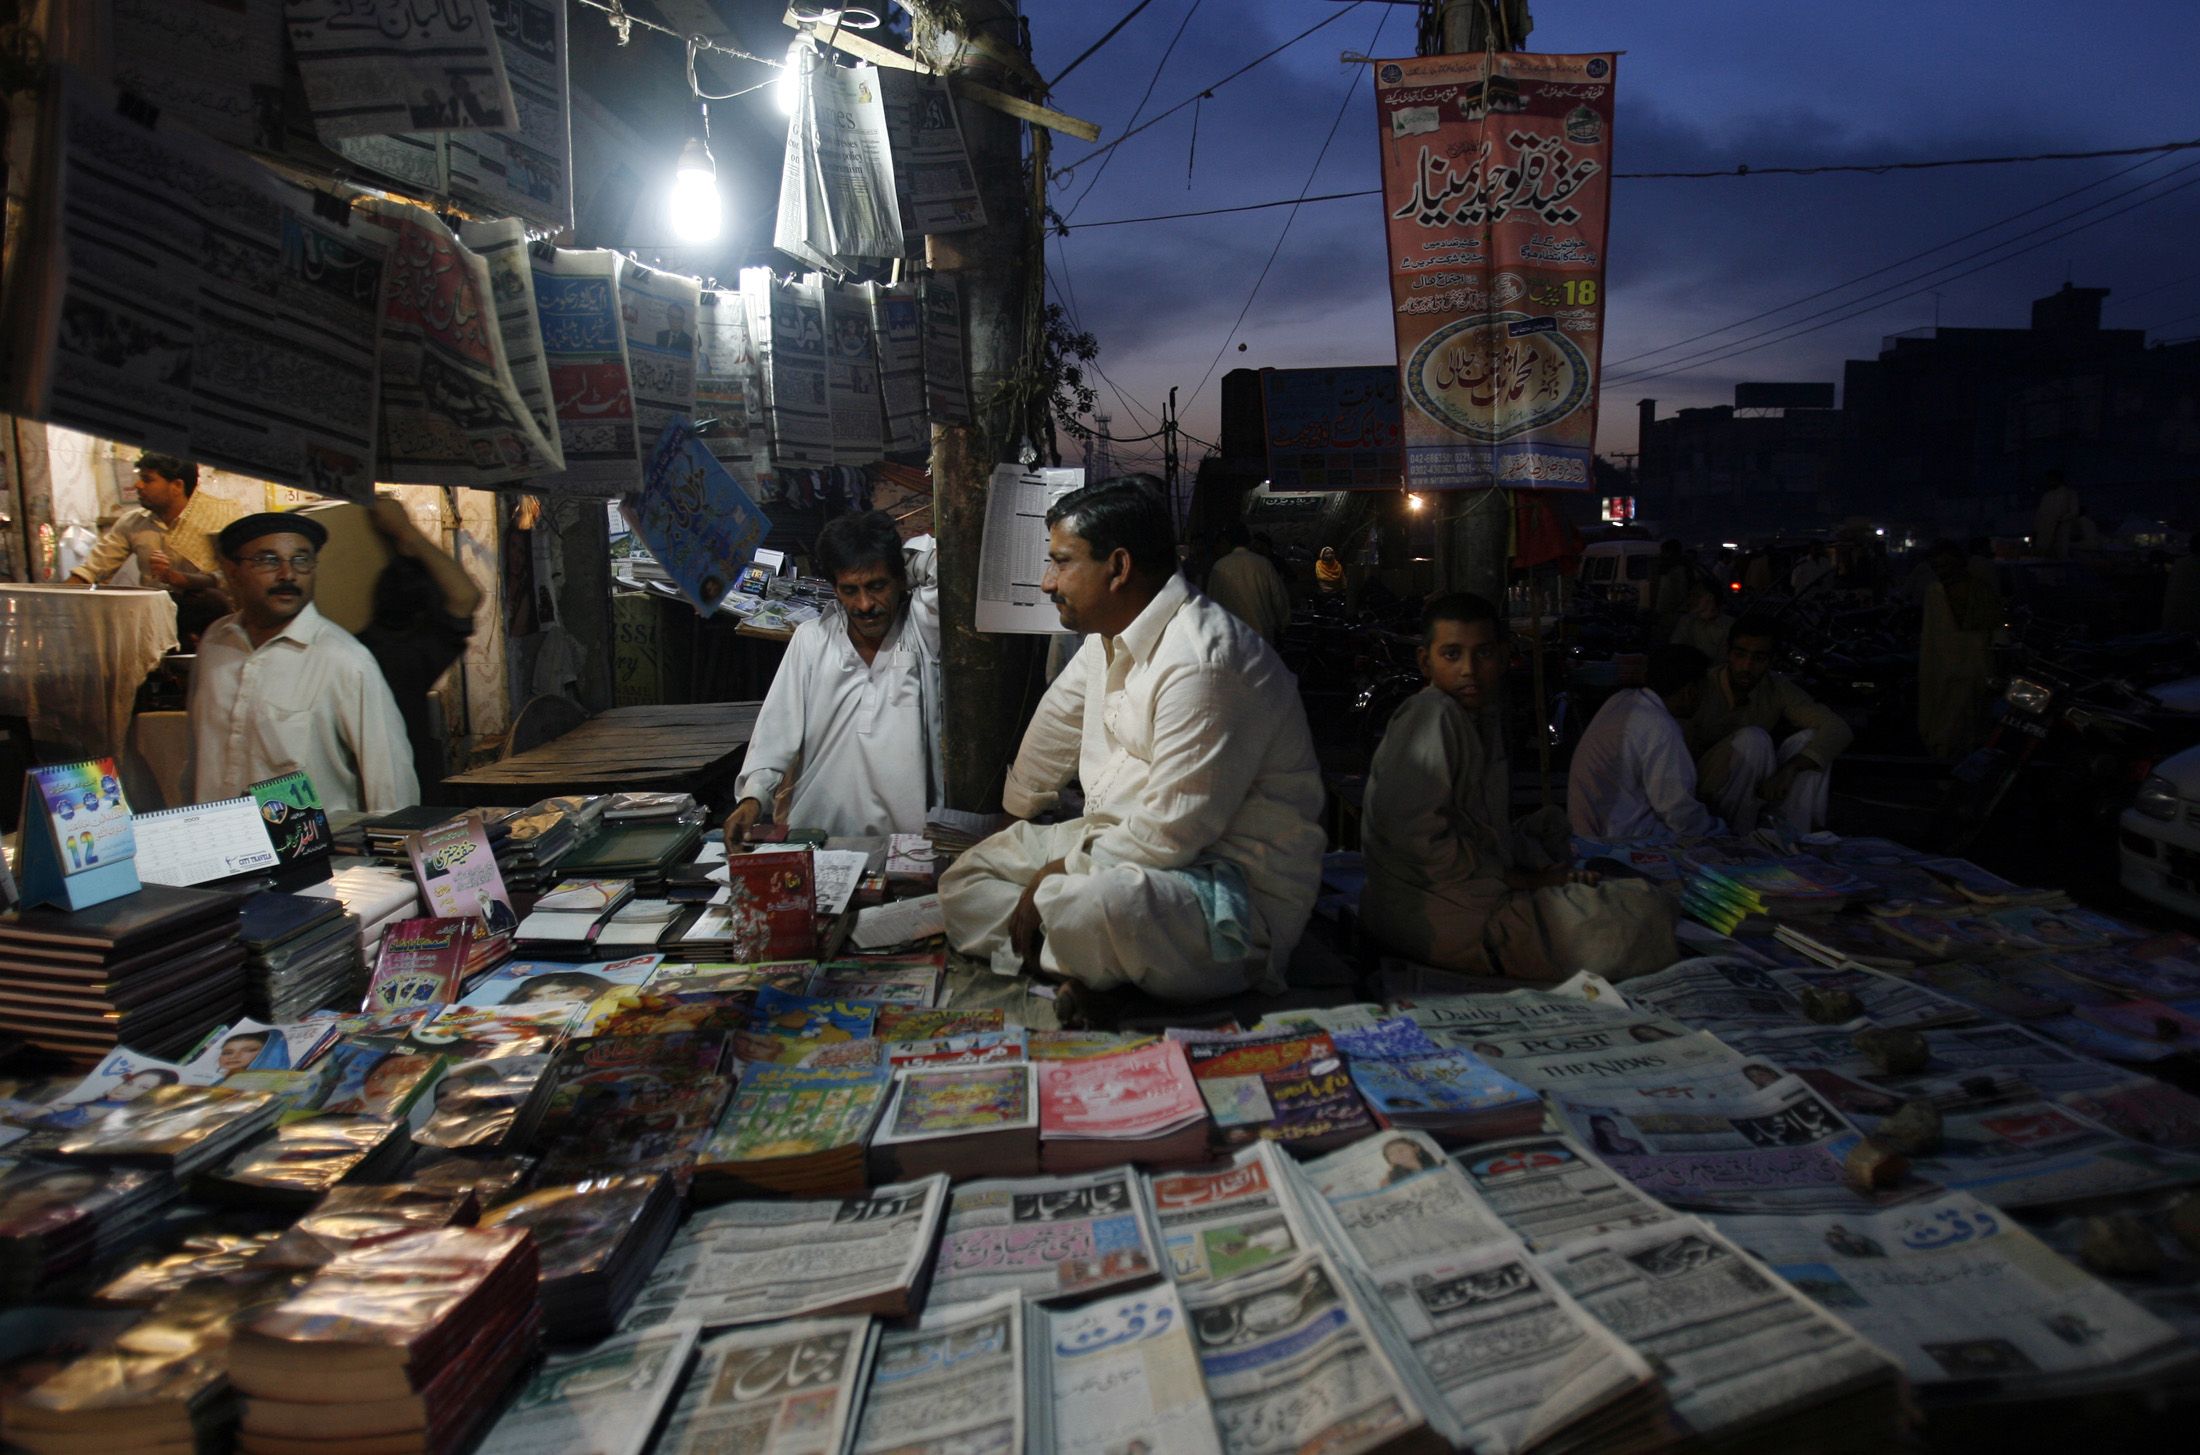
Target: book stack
x=793 y=1130
x=567 y=917
x=488 y=1107
x=352 y=1217
x=375 y=895
x=301 y=955
x=962 y=1121
x=1848 y=939
x=598 y=1241
x=1135 y=1105
x=162 y=1386
x=632 y=1105
x=954 y=830
x=384 y=835
x=643 y=852
x=400 y=1346
x=156 y=970
x=57 y=1221
x=176 y=1129
x=538 y=837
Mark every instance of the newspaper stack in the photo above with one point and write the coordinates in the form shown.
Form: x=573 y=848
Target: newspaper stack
x=599 y=1240
x=958 y=1380
x=1121 y=1373
x=605 y=1398
x=409 y=1343
x=1046 y=1238
x=738 y=1399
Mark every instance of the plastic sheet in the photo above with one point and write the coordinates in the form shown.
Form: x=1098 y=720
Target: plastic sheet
x=71 y=661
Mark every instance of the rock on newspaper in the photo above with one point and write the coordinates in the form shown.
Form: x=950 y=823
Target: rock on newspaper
x=243 y=336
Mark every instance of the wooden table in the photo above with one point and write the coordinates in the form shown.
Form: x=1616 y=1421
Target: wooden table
x=687 y=749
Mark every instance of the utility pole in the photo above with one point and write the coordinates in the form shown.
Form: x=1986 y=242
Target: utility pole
x=1474 y=534
x=985 y=679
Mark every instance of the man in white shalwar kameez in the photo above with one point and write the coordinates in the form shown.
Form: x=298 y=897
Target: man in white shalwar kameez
x=1197 y=860
x=1633 y=779
x=853 y=713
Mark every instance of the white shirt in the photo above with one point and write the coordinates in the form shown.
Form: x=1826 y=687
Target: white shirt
x=1188 y=736
x=308 y=697
x=1633 y=777
x=861 y=742
x=1249 y=588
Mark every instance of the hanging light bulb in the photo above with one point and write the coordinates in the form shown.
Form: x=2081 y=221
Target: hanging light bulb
x=787 y=90
x=697 y=210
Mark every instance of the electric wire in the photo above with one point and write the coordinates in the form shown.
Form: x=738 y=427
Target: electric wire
x=1086 y=54
x=1151 y=82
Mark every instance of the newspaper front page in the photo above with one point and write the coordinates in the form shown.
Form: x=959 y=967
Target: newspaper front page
x=935 y=189
x=796 y=369
x=954 y=1383
x=217 y=64
x=751 y=1262
x=243 y=336
x=1292 y=1363
x=393 y=65
x=1962 y=1295
x=897 y=322
x=783 y=1389
x=502 y=245
x=603 y=1399
x=1045 y=1237
x=526 y=171
x=727 y=385
x=1733 y=1347
x=946 y=360
x=1552 y=1192
x=1230 y=1220
x=591 y=386
x=658 y=311
x=859 y=418
x=1122 y=1374
x=1394 y=1196
x=836 y=189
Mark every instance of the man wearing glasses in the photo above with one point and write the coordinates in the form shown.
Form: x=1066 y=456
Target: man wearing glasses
x=279 y=686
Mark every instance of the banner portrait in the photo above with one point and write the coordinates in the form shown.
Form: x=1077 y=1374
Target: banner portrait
x=1496 y=183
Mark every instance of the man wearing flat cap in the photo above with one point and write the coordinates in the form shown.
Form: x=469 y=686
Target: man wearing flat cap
x=279 y=686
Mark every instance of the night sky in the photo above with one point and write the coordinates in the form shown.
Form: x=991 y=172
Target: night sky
x=1702 y=84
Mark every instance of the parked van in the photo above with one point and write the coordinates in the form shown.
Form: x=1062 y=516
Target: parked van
x=1619 y=570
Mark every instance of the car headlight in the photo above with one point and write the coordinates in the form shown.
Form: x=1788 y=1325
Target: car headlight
x=2027 y=696
x=2157 y=798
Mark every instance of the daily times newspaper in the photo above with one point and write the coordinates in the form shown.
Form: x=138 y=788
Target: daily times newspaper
x=752 y=1262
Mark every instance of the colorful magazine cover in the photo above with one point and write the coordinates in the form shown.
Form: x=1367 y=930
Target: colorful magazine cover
x=457 y=872
x=297 y=825
x=1135 y=1093
x=957 y=1101
x=421 y=963
x=806 y=1018
x=519 y=983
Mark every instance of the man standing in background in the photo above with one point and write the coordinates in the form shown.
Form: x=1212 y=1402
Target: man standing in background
x=1244 y=584
x=424 y=605
x=171 y=535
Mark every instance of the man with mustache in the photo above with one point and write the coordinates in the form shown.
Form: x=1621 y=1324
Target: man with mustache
x=853 y=714
x=1195 y=864
x=278 y=686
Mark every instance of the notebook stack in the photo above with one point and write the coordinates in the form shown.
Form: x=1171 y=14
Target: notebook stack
x=301 y=955
x=398 y=1346
x=375 y=895
x=156 y=970
x=643 y=852
x=537 y=839
x=598 y=1239
x=60 y=1221
x=385 y=834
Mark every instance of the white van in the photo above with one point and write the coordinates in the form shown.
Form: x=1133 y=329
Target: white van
x=1619 y=571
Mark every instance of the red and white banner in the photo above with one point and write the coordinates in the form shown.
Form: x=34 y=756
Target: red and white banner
x=1497 y=183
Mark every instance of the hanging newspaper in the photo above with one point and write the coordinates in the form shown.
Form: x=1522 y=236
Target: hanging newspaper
x=584 y=346
x=1013 y=553
x=395 y=66
x=2027 y=1323
x=796 y=369
x=897 y=324
x=956 y=1381
x=243 y=338
x=658 y=312
x=526 y=171
x=452 y=410
x=836 y=187
x=785 y=1387
x=946 y=366
x=216 y=64
x=729 y=417
x=694 y=517
x=502 y=244
x=851 y=378
x=935 y=189
x=1496 y=181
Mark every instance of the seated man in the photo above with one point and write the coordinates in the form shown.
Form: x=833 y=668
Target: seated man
x=171 y=536
x=1633 y=779
x=1759 y=740
x=1703 y=626
x=1196 y=863
x=278 y=686
x=853 y=714
x=1452 y=880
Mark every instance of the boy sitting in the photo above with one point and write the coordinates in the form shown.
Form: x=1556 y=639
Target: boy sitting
x=1452 y=881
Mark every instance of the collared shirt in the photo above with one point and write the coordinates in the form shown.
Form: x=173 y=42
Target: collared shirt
x=1248 y=587
x=860 y=741
x=1777 y=705
x=139 y=533
x=1633 y=776
x=308 y=697
x=1188 y=736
